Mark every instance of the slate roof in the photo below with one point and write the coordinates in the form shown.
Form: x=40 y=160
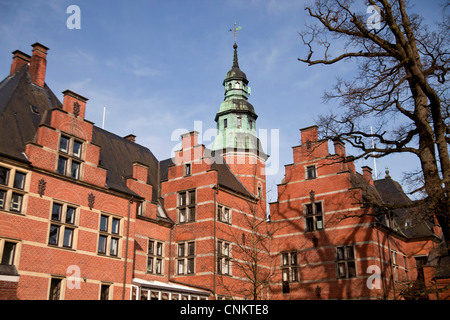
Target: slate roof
x=23 y=106
x=226 y=178
x=387 y=195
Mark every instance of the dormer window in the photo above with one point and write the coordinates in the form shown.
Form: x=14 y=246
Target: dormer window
x=68 y=161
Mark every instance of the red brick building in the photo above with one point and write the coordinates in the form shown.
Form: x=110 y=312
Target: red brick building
x=343 y=235
x=86 y=214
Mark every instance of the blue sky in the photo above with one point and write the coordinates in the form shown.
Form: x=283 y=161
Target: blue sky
x=158 y=66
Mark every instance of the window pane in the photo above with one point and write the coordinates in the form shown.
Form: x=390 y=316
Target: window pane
x=68 y=236
x=62 y=163
x=77 y=149
x=191 y=197
x=70 y=215
x=293 y=258
x=219 y=213
x=226 y=249
x=285 y=274
x=190 y=266
x=182 y=215
x=2 y=199
x=341 y=270
x=19 y=180
x=191 y=248
x=114 y=247
x=191 y=216
x=104 y=295
x=285 y=259
x=55 y=289
x=54 y=235
x=115 y=226
x=318 y=207
x=181 y=250
x=75 y=170
x=294 y=274
x=16 y=202
x=309 y=209
x=351 y=269
x=101 y=244
x=158 y=266
x=319 y=223
x=340 y=253
x=56 y=212
x=350 y=253
x=226 y=216
x=4 y=173
x=311 y=172
x=150 y=265
x=64 y=144
x=151 y=246
x=309 y=224
x=103 y=223
x=182 y=199
x=8 y=253
x=180 y=266
x=159 y=249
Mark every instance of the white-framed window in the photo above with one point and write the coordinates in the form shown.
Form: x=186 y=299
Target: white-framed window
x=70 y=157
x=12 y=189
x=105 y=291
x=8 y=251
x=155 y=257
x=186 y=206
x=109 y=235
x=223 y=257
x=63 y=225
x=187 y=169
x=313 y=216
x=223 y=213
x=289 y=266
x=345 y=261
x=56 y=289
x=186 y=258
x=311 y=172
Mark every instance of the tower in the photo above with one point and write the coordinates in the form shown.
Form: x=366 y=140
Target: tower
x=236 y=139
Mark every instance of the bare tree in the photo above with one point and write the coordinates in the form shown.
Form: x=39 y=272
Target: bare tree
x=400 y=88
x=252 y=245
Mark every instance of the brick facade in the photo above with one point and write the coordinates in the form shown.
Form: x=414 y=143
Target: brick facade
x=86 y=214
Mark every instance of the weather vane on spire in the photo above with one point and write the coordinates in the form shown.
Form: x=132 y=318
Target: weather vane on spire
x=235 y=30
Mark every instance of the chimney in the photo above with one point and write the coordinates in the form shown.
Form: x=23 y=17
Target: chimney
x=130 y=137
x=19 y=59
x=74 y=103
x=309 y=134
x=367 y=174
x=339 y=148
x=38 y=64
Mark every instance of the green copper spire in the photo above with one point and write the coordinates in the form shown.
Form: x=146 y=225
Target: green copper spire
x=236 y=119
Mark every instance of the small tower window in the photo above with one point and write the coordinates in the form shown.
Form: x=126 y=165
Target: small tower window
x=225 y=123
x=250 y=123
x=230 y=86
x=239 y=122
x=236 y=85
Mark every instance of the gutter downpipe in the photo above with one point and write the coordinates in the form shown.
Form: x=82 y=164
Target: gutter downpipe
x=126 y=249
x=216 y=190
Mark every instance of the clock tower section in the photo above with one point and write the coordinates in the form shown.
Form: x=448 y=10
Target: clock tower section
x=236 y=139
